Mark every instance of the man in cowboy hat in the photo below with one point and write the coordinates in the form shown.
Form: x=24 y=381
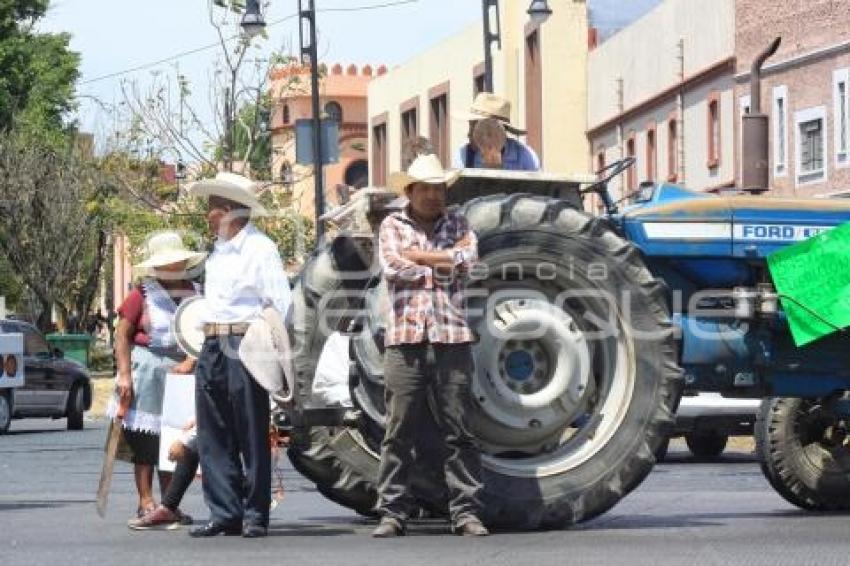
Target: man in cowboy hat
x=491 y=111
x=244 y=274
x=423 y=250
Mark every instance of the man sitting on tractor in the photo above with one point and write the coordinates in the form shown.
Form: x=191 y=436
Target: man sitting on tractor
x=489 y=147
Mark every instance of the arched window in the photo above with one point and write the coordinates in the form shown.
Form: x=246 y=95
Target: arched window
x=334 y=111
x=286 y=116
x=357 y=174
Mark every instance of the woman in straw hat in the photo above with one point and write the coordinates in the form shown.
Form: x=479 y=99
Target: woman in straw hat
x=146 y=349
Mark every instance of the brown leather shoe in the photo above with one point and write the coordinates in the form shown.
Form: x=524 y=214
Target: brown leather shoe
x=388 y=528
x=472 y=528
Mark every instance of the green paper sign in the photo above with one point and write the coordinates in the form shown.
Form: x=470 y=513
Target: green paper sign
x=816 y=274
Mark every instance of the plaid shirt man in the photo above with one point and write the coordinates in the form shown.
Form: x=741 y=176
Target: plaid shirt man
x=425 y=306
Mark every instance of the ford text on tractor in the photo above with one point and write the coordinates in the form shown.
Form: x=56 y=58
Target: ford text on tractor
x=590 y=327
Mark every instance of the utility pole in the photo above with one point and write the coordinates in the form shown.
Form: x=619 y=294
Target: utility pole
x=311 y=52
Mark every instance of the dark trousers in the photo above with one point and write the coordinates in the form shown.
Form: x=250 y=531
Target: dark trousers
x=184 y=474
x=410 y=372
x=233 y=436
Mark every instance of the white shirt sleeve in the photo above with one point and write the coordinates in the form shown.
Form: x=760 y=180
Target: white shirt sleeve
x=273 y=281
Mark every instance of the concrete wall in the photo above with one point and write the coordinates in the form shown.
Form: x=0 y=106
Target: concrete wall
x=564 y=47
x=454 y=61
x=667 y=65
x=563 y=53
x=645 y=55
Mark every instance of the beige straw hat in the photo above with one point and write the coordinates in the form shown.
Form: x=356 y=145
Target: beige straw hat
x=489 y=105
x=424 y=169
x=232 y=187
x=166 y=248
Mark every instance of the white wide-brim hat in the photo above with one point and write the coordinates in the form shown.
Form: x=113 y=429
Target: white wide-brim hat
x=489 y=105
x=232 y=187
x=424 y=169
x=166 y=248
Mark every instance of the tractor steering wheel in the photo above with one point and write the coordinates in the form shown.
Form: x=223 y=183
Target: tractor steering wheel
x=615 y=169
x=600 y=187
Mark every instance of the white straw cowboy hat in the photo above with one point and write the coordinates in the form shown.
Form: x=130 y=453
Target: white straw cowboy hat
x=166 y=248
x=424 y=169
x=489 y=105
x=232 y=187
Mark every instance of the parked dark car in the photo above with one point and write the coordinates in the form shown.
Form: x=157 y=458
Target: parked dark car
x=54 y=386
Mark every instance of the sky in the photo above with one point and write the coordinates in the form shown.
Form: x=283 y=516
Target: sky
x=117 y=35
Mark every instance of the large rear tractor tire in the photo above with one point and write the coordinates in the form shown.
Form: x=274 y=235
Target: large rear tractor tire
x=348 y=483
x=322 y=286
x=576 y=375
x=802 y=452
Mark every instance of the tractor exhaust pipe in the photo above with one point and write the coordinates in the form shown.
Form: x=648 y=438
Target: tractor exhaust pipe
x=755 y=167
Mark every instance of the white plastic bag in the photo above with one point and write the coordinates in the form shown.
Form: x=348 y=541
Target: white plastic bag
x=330 y=386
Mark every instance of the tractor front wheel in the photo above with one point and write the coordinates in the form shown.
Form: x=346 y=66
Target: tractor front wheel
x=803 y=452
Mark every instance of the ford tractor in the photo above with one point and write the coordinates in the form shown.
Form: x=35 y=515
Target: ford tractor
x=589 y=329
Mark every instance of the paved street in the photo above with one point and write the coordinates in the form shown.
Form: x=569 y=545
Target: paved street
x=685 y=513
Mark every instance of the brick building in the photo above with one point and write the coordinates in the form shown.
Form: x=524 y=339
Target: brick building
x=805 y=89
x=671 y=88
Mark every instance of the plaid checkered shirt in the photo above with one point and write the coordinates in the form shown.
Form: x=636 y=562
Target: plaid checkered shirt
x=425 y=306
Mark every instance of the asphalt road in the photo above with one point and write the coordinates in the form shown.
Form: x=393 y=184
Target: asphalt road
x=685 y=514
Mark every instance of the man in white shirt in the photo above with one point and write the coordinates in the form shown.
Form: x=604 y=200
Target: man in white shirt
x=244 y=274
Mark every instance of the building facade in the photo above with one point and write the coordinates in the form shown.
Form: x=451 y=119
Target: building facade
x=670 y=91
x=540 y=69
x=662 y=91
x=805 y=90
x=342 y=98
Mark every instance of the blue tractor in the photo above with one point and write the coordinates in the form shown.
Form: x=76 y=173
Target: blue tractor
x=589 y=329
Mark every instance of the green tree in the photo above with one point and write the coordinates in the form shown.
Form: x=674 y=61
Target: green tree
x=10 y=287
x=252 y=139
x=52 y=235
x=39 y=70
x=142 y=203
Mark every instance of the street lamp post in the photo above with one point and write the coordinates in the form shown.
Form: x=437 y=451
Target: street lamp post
x=308 y=16
x=490 y=36
x=538 y=12
x=253 y=23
